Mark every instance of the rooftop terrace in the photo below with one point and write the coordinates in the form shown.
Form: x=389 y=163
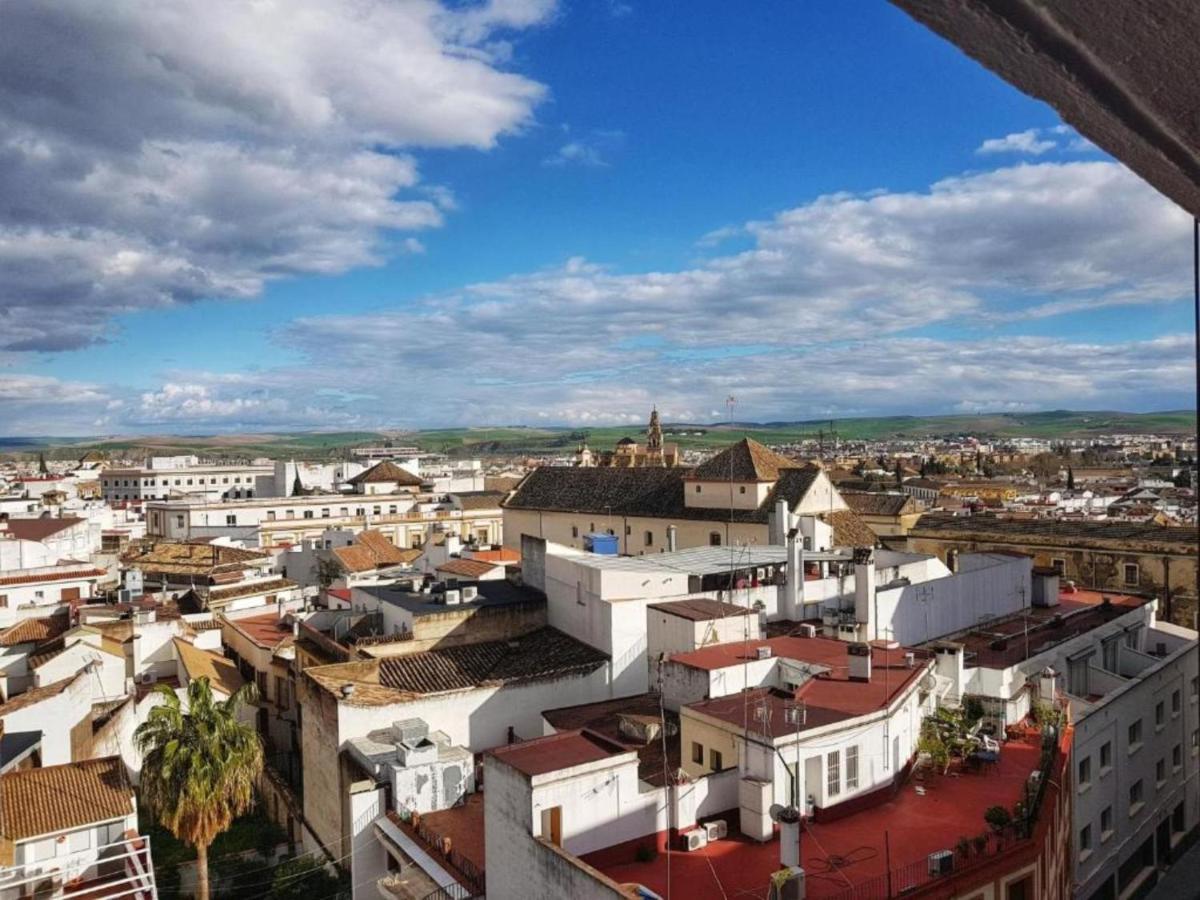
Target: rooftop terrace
x=845 y=854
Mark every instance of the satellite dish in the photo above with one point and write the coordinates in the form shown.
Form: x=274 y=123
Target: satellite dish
x=775 y=811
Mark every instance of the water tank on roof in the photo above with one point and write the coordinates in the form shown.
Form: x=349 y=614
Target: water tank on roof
x=601 y=544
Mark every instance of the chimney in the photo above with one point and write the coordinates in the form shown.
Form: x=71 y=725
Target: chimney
x=1048 y=685
x=672 y=538
x=864 y=588
x=858 y=660
x=793 y=605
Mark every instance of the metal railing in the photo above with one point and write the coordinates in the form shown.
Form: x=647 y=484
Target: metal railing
x=119 y=870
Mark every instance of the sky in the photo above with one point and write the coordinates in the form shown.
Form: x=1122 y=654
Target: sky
x=316 y=214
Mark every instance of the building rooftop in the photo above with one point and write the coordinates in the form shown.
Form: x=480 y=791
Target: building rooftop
x=52 y=573
x=372 y=550
x=542 y=654
x=222 y=673
x=249 y=589
x=37 y=694
x=189 y=558
x=649 y=492
x=32 y=800
x=386 y=472
x=558 y=751
x=700 y=609
x=1006 y=642
x=478 y=499
x=878 y=503
x=16 y=746
x=1183 y=538
x=747 y=460
x=467 y=568
x=612 y=719
x=33 y=631
x=494 y=592
x=40 y=528
x=844 y=854
x=267 y=630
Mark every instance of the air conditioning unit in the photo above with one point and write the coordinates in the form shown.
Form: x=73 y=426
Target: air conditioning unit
x=763 y=652
x=453 y=598
x=941 y=862
x=469 y=593
x=148 y=678
x=716 y=829
x=695 y=839
x=808 y=631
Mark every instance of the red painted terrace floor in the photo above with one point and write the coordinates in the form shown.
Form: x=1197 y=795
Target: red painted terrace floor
x=839 y=855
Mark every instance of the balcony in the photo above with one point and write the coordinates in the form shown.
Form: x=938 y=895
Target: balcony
x=118 y=870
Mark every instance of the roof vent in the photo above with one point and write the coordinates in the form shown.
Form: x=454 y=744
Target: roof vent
x=347 y=691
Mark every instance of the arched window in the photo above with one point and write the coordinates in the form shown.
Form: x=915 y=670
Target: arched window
x=714 y=539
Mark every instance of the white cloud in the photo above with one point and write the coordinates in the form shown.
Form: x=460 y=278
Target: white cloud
x=592 y=150
x=198 y=150
x=1026 y=141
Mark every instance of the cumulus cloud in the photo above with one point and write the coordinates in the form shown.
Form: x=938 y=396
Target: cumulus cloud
x=593 y=150
x=198 y=150
x=1018 y=142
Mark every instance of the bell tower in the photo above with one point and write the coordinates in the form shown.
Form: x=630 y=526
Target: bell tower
x=654 y=433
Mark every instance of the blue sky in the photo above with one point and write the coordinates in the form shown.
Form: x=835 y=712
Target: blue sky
x=523 y=211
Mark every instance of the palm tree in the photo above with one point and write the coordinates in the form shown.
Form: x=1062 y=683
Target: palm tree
x=200 y=765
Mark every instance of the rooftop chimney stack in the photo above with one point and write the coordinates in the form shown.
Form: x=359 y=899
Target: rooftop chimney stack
x=672 y=538
x=864 y=589
x=793 y=605
x=858 y=661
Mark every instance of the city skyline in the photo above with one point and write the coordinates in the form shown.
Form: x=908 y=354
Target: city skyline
x=558 y=214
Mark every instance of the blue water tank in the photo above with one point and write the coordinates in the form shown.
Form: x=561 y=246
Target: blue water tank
x=603 y=544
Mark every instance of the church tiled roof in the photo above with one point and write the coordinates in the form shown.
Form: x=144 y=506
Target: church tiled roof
x=747 y=460
x=384 y=472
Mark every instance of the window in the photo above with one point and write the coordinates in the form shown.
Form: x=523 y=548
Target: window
x=574 y=531
x=1160 y=714
x=1021 y=889
x=1176 y=703
x=852 y=768
x=833 y=774
x=1131 y=574
x=1135 y=735
x=1077 y=676
x=1059 y=565
x=1106 y=755
x=3 y=601
x=225 y=480
x=649 y=538
x=376 y=510
x=1106 y=825
x=1085 y=839
x=308 y=514
x=325 y=514
x=1111 y=653
x=179 y=521
x=1177 y=757
x=741 y=489
x=714 y=539
x=392 y=510
x=1135 y=797
x=714 y=760
x=697 y=489
x=360 y=511
x=628 y=530
x=1085 y=771
x=231 y=519
x=39 y=595
x=189 y=481
x=1195 y=687
x=1160 y=772
x=697 y=753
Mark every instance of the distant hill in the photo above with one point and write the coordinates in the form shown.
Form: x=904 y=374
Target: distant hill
x=517 y=440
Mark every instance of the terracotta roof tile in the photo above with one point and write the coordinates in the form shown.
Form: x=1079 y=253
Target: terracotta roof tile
x=36 y=695
x=701 y=609
x=222 y=673
x=878 y=503
x=747 y=460
x=194 y=558
x=48 y=800
x=48 y=577
x=849 y=530
x=221 y=595
x=384 y=472
x=467 y=568
x=32 y=631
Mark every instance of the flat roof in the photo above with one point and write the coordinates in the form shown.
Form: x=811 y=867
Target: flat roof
x=704 y=560
x=1009 y=641
x=495 y=592
x=558 y=751
x=950 y=808
x=604 y=717
x=700 y=609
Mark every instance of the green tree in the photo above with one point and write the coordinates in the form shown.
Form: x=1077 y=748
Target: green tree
x=200 y=765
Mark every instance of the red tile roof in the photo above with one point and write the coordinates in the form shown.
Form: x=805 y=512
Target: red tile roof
x=33 y=631
x=467 y=568
x=48 y=800
x=558 y=751
x=497 y=556
x=266 y=630
x=384 y=472
x=47 y=577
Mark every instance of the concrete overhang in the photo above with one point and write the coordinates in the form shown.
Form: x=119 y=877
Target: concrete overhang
x=1121 y=72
